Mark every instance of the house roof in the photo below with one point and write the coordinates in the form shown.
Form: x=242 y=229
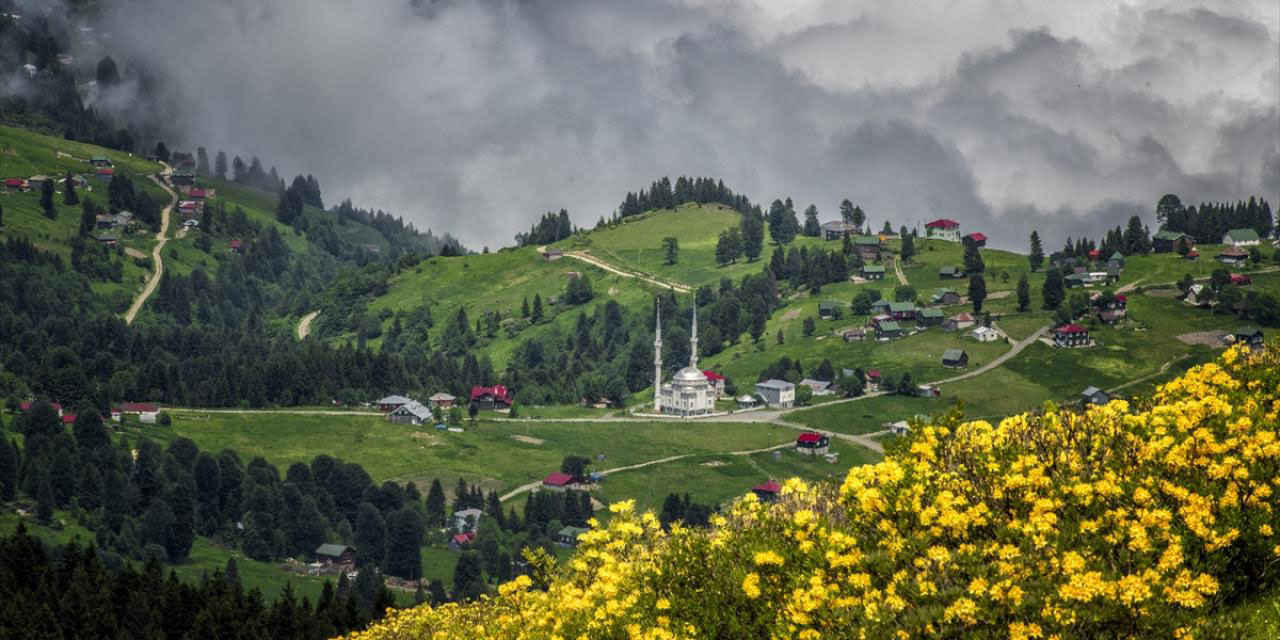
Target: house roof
x=413 y=408
x=962 y=317
x=867 y=240
x=1166 y=234
x=949 y=270
x=24 y=406
x=873 y=373
x=139 y=407
x=394 y=399
x=500 y=392
x=557 y=479
x=1117 y=256
x=983 y=330
x=1239 y=278
x=196 y=193
x=977 y=236
x=1092 y=391
x=330 y=549
x=68 y=418
x=467 y=513
x=942 y=223
x=712 y=376
x=1071 y=328
x=1193 y=254
x=931 y=312
x=820 y=384
x=1234 y=252
x=1243 y=235
x=890 y=325
x=810 y=436
x=13 y=182
x=872 y=268
x=1093 y=253
x=746 y=398
x=1248 y=330
x=1120 y=297
x=827 y=305
x=573 y=531
x=898 y=307
x=442 y=396
x=774 y=383
x=953 y=354
x=1108 y=315
x=464 y=538
x=771 y=486
x=105 y=171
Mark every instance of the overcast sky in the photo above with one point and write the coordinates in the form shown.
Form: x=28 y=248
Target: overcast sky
x=475 y=117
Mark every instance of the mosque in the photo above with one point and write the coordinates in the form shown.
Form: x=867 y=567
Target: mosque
x=690 y=393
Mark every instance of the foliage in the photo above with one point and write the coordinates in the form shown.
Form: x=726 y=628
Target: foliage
x=1122 y=520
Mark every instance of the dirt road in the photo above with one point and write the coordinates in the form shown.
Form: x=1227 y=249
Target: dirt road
x=304 y=325
x=156 y=257
x=583 y=256
x=1000 y=359
x=897 y=268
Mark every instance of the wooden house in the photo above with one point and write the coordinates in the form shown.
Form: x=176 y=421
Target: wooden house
x=943 y=229
x=812 y=444
x=958 y=322
x=495 y=397
x=929 y=317
x=767 y=491
x=955 y=359
x=945 y=297
x=950 y=273
x=873 y=271
x=568 y=536
x=1094 y=395
x=1071 y=336
x=1232 y=256
x=335 y=554
x=1167 y=241
x=977 y=239
x=559 y=482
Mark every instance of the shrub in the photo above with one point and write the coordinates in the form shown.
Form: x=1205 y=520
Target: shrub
x=1133 y=519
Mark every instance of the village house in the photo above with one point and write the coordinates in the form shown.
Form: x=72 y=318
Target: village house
x=928 y=391
x=812 y=444
x=837 y=229
x=552 y=254
x=568 y=536
x=235 y=246
x=902 y=310
x=1074 y=280
x=104 y=221
x=495 y=397
x=460 y=541
x=1071 y=336
x=37 y=182
x=391 y=403
x=412 y=412
x=465 y=520
x=1192 y=256
x=819 y=387
x=828 y=309
x=778 y=394
x=1250 y=336
x=190 y=224
x=1109 y=317
x=335 y=554
x=873 y=271
x=868 y=247
x=108 y=239
x=16 y=184
x=188 y=208
x=1094 y=395
x=1232 y=256
x=197 y=194
x=955 y=359
x=880 y=307
x=746 y=401
x=559 y=482
x=853 y=335
x=888 y=330
x=1198 y=295
x=183 y=176
x=1115 y=263
x=767 y=491
x=1240 y=280
x=1245 y=237
x=929 y=317
x=958 y=322
x=977 y=239
x=147 y=412
x=1166 y=241
x=100 y=161
x=442 y=400
x=873 y=381
x=950 y=273
x=945 y=297
x=716 y=380
x=943 y=229
x=104 y=173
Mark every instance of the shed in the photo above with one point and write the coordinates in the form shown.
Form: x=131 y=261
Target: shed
x=767 y=491
x=412 y=413
x=559 y=482
x=873 y=271
x=955 y=359
x=985 y=334
x=1094 y=395
x=929 y=317
x=330 y=553
x=568 y=536
x=1244 y=237
x=811 y=443
x=951 y=272
x=945 y=296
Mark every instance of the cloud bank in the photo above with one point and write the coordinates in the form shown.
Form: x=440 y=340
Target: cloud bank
x=475 y=117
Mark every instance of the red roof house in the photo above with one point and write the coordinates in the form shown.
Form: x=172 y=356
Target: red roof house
x=15 y=183
x=1120 y=297
x=1094 y=253
x=1071 y=328
x=1240 y=279
x=106 y=171
x=139 y=407
x=459 y=540
x=68 y=418
x=235 y=245
x=811 y=443
x=1071 y=335
x=942 y=223
x=767 y=491
x=809 y=437
x=495 y=397
x=196 y=194
x=712 y=376
x=187 y=204
x=977 y=238
x=558 y=481
x=26 y=406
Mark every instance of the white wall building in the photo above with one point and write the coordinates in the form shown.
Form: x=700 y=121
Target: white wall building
x=689 y=393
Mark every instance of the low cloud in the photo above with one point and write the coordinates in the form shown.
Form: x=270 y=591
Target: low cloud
x=475 y=117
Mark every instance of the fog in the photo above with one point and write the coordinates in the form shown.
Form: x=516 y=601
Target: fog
x=474 y=117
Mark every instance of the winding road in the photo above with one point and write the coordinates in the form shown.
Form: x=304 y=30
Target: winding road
x=583 y=256
x=161 y=239
x=897 y=268
x=304 y=325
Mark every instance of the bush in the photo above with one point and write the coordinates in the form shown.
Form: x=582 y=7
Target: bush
x=164 y=419
x=1130 y=519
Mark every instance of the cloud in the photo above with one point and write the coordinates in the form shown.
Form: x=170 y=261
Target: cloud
x=475 y=117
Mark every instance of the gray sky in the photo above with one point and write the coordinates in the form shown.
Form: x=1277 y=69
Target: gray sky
x=475 y=117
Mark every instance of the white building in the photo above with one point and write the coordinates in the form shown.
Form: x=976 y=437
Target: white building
x=778 y=394
x=986 y=334
x=689 y=393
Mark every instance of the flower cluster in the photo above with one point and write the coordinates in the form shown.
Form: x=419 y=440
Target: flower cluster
x=1125 y=520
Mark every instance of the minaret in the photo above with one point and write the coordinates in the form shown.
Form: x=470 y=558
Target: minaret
x=693 y=340
x=657 y=363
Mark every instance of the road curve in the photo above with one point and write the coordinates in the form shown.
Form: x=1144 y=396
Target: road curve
x=601 y=264
x=1000 y=359
x=161 y=239
x=640 y=465
x=304 y=325
x=897 y=268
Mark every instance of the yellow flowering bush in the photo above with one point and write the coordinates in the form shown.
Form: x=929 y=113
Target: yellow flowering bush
x=1129 y=520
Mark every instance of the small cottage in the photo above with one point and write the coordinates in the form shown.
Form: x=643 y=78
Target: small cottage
x=495 y=397
x=559 y=482
x=568 y=536
x=1251 y=336
x=828 y=309
x=461 y=541
x=873 y=271
x=1245 y=237
x=985 y=334
x=391 y=403
x=943 y=229
x=335 y=554
x=1094 y=395
x=955 y=359
x=958 y=322
x=888 y=330
x=442 y=400
x=1071 y=336
x=945 y=297
x=812 y=444
x=767 y=491
x=1166 y=241
x=819 y=387
x=950 y=273
x=412 y=412
x=837 y=229
x=853 y=335
x=1232 y=256
x=977 y=239
x=929 y=317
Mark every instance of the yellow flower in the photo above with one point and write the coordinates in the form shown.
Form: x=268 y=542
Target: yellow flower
x=751 y=585
x=768 y=558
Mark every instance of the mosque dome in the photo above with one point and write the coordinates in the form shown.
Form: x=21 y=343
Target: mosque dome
x=690 y=374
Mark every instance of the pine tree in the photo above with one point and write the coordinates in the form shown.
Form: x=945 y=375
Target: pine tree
x=752 y=236
x=8 y=470
x=435 y=504
x=88 y=218
x=404 y=542
x=69 y=190
x=811 y=226
x=973 y=262
x=220 y=166
x=977 y=291
x=536 y=315
x=846 y=212
x=468 y=578
x=1024 y=293
x=781 y=339
x=1054 y=289
x=370 y=537
x=1036 y=258
x=908 y=248
x=671 y=250
x=46 y=199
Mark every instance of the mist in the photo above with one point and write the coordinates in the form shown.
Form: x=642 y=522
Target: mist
x=477 y=117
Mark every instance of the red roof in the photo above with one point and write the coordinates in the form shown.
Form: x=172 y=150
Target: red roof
x=14 y=182
x=235 y=244
x=1193 y=254
x=186 y=204
x=139 y=407
x=464 y=538
x=1071 y=328
x=68 y=418
x=769 y=487
x=1237 y=278
x=874 y=373
x=499 y=392
x=24 y=406
x=977 y=236
x=196 y=193
x=106 y=171
x=1093 y=253
x=809 y=436
x=712 y=376
x=1121 y=298
x=942 y=223
x=557 y=479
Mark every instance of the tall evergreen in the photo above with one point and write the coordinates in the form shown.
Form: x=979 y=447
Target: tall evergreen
x=977 y=291
x=752 y=236
x=908 y=248
x=973 y=262
x=69 y=190
x=435 y=504
x=1024 y=293
x=1054 y=290
x=812 y=228
x=46 y=199
x=1036 y=257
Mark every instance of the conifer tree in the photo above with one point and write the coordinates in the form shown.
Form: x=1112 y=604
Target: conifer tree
x=435 y=504
x=536 y=315
x=46 y=200
x=973 y=262
x=88 y=218
x=671 y=250
x=908 y=248
x=977 y=291
x=811 y=226
x=1036 y=258
x=1054 y=289
x=1024 y=293
x=752 y=236
x=69 y=190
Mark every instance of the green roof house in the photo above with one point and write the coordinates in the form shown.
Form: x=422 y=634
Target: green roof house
x=1241 y=238
x=930 y=317
x=945 y=296
x=568 y=536
x=951 y=272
